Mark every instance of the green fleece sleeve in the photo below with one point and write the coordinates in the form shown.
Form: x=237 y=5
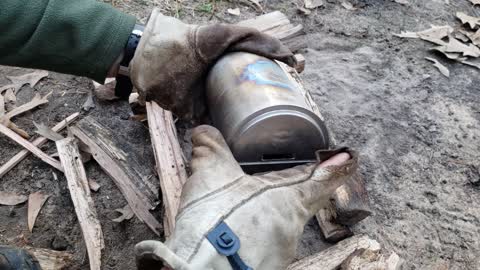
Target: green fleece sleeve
x=79 y=37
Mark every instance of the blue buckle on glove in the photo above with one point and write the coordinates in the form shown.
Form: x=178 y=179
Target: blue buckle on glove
x=227 y=244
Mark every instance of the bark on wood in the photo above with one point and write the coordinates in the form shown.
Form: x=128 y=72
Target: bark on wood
x=37 y=142
x=129 y=171
x=84 y=207
x=332 y=232
x=169 y=160
x=278 y=25
x=51 y=259
x=350 y=201
x=30 y=147
x=333 y=257
x=364 y=259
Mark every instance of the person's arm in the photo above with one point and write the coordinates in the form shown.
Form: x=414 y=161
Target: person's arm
x=80 y=37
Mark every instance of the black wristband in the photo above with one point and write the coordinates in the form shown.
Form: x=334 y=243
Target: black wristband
x=124 y=86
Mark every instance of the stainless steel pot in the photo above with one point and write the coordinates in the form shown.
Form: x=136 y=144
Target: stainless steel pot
x=263 y=115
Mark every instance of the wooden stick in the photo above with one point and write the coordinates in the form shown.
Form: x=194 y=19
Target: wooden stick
x=80 y=193
x=30 y=147
x=169 y=160
x=51 y=259
x=333 y=257
x=126 y=170
x=35 y=102
x=37 y=142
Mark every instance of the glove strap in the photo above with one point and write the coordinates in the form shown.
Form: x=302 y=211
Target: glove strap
x=227 y=244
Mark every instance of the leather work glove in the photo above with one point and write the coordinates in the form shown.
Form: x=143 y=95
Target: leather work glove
x=172 y=58
x=265 y=214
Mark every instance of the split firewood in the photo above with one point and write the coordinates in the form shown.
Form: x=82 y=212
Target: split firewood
x=30 y=147
x=51 y=259
x=35 y=102
x=31 y=78
x=37 y=142
x=341 y=253
x=278 y=25
x=35 y=203
x=9 y=198
x=125 y=165
x=169 y=159
x=80 y=193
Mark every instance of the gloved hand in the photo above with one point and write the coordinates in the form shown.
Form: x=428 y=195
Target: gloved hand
x=172 y=59
x=266 y=212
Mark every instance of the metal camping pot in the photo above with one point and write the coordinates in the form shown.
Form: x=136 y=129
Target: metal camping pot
x=264 y=116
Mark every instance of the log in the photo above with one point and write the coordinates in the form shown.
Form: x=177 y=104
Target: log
x=128 y=171
x=37 y=142
x=333 y=257
x=30 y=147
x=82 y=201
x=278 y=25
x=350 y=201
x=169 y=160
x=51 y=259
x=372 y=260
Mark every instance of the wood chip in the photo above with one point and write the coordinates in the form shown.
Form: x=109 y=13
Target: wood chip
x=84 y=207
x=312 y=4
x=443 y=69
x=35 y=203
x=94 y=185
x=31 y=78
x=8 y=198
x=37 y=142
x=51 y=259
x=46 y=132
x=234 y=11
x=402 y=2
x=473 y=22
x=126 y=213
x=347 y=5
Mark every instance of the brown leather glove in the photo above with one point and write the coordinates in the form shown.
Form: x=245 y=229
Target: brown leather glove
x=172 y=59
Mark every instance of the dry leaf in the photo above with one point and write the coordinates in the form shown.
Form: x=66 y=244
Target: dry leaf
x=475 y=2
x=468 y=63
x=472 y=36
x=89 y=102
x=35 y=203
x=461 y=35
x=304 y=11
x=46 y=132
x=7 y=198
x=94 y=186
x=347 y=5
x=452 y=56
x=126 y=214
x=312 y=4
x=443 y=69
x=105 y=91
x=234 y=11
x=10 y=96
x=403 y=2
x=435 y=34
x=30 y=78
x=455 y=46
x=2 y=106
x=466 y=19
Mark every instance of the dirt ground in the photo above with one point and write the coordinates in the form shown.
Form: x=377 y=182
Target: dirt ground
x=418 y=133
